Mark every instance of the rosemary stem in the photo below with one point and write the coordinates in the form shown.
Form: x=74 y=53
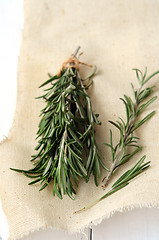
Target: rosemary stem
x=88 y=206
x=76 y=52
x=62 y=145
x=113 y=166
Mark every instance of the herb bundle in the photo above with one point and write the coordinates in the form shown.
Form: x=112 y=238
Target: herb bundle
x=66 y=133
x=127 y=141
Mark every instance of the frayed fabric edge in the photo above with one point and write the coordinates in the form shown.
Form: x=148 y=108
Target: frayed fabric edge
x=26 y=234
x=122 y=210
x=95 y=222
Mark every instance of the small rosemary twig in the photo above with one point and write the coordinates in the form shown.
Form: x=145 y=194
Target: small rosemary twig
x=133 y=110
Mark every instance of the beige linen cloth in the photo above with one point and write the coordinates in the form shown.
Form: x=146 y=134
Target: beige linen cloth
x=116 y=36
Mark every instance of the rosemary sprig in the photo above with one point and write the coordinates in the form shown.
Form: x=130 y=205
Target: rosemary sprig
x=66 y=133
x=127 y=138
x=122 y=182
x=126 y=128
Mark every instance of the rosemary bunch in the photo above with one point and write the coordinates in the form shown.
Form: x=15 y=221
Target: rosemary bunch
x=127 y=139
x=66 y=133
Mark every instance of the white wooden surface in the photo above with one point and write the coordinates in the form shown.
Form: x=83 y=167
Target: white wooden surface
x=139 y=224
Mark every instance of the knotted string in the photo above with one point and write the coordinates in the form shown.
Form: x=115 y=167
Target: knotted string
x=72 y=62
